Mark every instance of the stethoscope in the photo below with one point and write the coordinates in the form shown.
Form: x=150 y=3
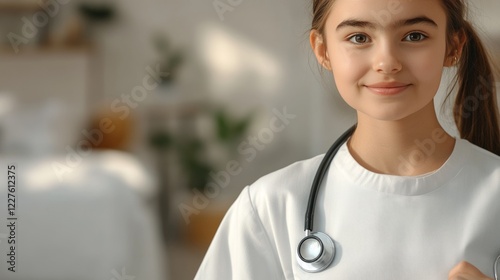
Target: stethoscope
x=316 y=250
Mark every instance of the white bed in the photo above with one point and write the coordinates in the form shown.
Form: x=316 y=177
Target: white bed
x=97 y=223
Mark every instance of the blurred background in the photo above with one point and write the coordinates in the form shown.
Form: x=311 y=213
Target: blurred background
x=133 y=125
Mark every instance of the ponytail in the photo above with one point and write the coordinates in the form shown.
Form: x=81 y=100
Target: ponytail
x=475 y=109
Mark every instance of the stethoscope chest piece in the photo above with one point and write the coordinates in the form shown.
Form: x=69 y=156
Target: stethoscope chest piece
x=315 y=252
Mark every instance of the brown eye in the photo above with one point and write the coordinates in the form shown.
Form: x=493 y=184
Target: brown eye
x=415 y=37
x=359 y=39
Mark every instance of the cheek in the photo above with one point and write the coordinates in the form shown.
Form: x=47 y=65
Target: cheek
x=346 y=81
x=428 y=69
x=348 y=69
x=347 y=66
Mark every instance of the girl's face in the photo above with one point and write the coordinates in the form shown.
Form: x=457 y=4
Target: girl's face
x=387 y=56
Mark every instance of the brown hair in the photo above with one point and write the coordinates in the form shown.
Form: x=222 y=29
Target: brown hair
x=475 y=109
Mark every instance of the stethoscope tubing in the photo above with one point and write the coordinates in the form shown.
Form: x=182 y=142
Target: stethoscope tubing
x=318 y=178
x=495 y=268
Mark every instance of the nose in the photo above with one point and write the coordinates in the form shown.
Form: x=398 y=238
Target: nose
x=386 y=59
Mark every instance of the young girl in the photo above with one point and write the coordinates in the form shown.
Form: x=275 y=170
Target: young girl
x=401 y=199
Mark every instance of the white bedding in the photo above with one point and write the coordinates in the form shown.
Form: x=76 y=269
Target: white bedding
x=95 y=224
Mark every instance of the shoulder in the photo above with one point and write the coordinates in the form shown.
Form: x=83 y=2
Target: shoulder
x=480 y=157
x=292 y=182
x=480 y=164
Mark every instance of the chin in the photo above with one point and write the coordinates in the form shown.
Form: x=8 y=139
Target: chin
x=388 y=114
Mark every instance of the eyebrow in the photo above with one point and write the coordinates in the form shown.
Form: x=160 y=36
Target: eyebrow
x=399 y=23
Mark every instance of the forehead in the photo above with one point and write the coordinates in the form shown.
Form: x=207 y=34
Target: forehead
x=385 y=13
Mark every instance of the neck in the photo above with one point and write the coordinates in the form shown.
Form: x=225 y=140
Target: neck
x=411 y=146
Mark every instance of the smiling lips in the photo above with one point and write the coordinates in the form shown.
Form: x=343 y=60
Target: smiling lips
x=386 y=89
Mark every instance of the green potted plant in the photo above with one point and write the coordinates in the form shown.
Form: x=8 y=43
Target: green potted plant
x=192 y=150
x=170 y=59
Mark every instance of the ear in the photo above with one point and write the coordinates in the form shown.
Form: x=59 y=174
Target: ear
x=454 y=51
x=319 y=48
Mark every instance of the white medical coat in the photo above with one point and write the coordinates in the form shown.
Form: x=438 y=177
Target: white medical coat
x=384 y=227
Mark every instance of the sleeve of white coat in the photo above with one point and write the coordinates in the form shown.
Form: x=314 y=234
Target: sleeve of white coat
x=241 y=248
